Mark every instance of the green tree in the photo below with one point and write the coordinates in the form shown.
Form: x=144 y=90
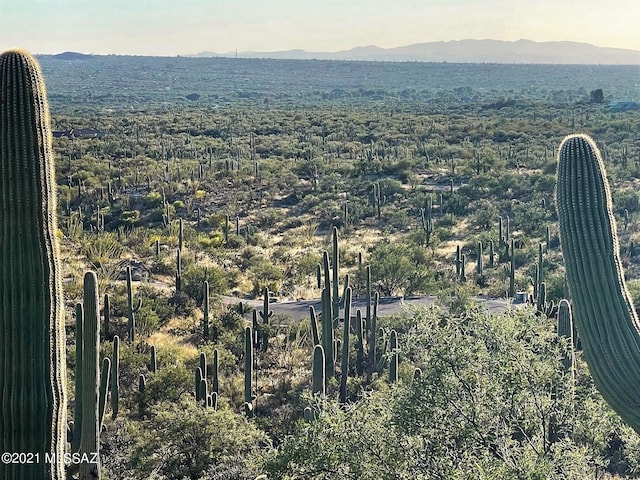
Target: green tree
x=398 y=268
x=183 y=440
x=492 y=401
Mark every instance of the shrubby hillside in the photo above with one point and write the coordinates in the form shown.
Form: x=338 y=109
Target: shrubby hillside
x=202 y=206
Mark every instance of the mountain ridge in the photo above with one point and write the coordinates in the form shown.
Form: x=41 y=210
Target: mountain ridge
x=464 y=51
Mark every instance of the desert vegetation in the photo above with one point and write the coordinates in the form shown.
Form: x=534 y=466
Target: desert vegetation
x=201 y=206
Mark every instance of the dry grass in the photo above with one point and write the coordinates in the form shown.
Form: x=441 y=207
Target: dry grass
x=164 y=338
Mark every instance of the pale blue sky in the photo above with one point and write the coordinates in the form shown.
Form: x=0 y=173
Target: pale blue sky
x=175 y=27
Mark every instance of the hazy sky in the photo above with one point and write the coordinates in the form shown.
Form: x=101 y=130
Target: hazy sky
x=174 y=27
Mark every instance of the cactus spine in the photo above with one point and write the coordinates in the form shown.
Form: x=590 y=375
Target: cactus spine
x=602 y=309
x=33 y=405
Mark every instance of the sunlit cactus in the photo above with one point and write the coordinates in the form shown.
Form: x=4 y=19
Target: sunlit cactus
x=602 y=307
x=33 y=400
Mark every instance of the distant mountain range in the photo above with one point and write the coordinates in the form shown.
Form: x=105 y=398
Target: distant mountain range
x=466 y=51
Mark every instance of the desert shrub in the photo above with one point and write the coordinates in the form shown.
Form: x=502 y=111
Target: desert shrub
x=184 y=440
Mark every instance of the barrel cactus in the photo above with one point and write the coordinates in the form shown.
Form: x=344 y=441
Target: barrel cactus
x=602 y=308
x=32 y=337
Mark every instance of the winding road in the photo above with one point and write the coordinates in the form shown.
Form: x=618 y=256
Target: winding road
x=386 y=306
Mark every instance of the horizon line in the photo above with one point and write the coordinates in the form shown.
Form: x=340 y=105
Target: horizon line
x=236 y=52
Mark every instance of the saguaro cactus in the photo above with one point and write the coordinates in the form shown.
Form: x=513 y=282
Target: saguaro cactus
x=77 y=411
x=106 y=312
x=115 y=378
x=319 y=383
x=33 y=401
x=131 y=309
x=602 y=310
x=205 y=310
x=215 y=383
x=393 y=364
x=565 y=330
x=89 y=432
x=344 y=371
x=248 y=371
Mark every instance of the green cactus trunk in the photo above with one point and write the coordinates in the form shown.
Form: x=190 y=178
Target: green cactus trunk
x=32 y=337
x=327 y=332
x=215 y=383
x=131 y=309
x=313 y=319
x=335 y=259
x=106 y=312
x=344 y=369
x=196 y=384
x=178 y=276
x=248 y=371
x=360 y=334
x=89 y=434
x=205 y=310
x=77 y=411
x=394 y=359
x=105 y=371
x=203 y=364
x=153 y=361
x=319 y=382
x=565 y=330
x=602 y=308
x=512 y=270
x=115 y=378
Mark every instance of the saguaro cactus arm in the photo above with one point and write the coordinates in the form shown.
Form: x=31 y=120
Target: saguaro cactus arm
x=602 y=308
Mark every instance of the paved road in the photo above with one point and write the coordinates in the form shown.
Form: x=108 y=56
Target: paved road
x=386 y=306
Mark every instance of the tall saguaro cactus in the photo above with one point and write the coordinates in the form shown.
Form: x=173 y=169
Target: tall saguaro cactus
x=90 y=430
x=602 y=308
x=114 y=384
x=131 y=309
x=32 y=338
